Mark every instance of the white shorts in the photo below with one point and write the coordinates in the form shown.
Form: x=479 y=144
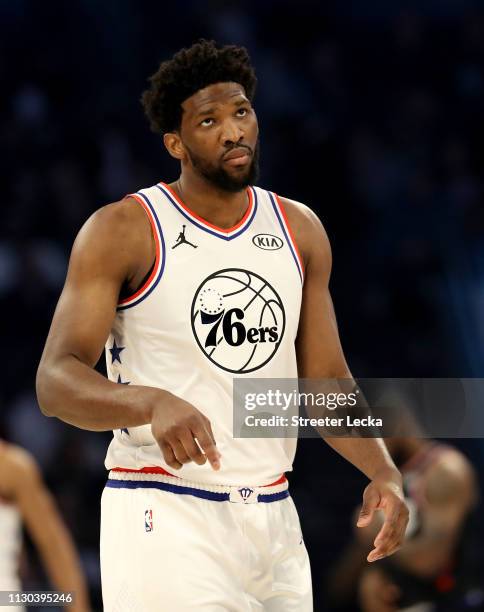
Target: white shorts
x=172 y=546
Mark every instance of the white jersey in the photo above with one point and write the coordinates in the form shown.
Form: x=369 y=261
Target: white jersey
x=218 y=304
x=11 y=539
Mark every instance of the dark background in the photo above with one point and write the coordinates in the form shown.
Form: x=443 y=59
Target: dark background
x=370 y=112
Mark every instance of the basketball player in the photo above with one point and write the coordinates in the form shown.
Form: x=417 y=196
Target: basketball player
x=434 y=570
x=25 y=499
x=193 y=518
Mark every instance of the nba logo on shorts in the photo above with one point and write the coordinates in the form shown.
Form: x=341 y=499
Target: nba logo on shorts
x=148 y=520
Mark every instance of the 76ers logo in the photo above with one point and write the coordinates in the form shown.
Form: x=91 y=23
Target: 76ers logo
x=238 y=320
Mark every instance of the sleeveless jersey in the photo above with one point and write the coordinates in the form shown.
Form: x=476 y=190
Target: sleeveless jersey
x=218 y=304
x=11 y=539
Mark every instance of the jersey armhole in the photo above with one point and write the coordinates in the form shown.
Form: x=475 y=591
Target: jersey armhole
x=153 y=277
x=126 y=295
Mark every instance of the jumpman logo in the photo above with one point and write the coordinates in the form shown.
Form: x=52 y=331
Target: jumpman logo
x=182 y=240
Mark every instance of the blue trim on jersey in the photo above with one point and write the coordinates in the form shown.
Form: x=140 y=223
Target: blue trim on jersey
x=204 y=227
x=182 y=490
x=288 y=240
x=162 y=255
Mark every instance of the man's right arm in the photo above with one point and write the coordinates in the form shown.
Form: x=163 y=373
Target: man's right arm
x=112 y=249
x=68 y=387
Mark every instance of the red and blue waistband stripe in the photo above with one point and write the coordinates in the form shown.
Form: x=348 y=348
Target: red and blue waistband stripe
x=207 y=227
x=159 y=266
x=183 y=490
x=283 y=222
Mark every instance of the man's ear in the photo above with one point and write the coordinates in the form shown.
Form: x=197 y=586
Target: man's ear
x=174 y=145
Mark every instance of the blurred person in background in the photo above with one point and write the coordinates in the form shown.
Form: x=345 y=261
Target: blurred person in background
x=24 y=499
x=435 y=570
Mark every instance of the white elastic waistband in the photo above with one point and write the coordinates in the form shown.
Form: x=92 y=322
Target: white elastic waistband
x=237 y=494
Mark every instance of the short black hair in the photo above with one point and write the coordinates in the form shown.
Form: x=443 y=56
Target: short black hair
x=188 y=71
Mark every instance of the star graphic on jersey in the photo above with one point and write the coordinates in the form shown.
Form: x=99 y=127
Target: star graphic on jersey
x=116 y=352
x=122 y=382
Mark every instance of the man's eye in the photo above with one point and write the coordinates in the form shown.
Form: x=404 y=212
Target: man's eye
x=244 y=112
x=206 y=122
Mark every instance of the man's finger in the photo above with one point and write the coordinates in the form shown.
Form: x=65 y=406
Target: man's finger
x=205 y=438
x=381 y=552
x=179 y=451
x=191 y=448
x=393 y=530
x=169 y=456
x=208 y=427
x=370 y=504
x=389 y=526
x=391 y=535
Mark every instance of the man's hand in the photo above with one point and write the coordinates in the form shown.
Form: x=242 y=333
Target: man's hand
x=385 y=493
x=183 y=433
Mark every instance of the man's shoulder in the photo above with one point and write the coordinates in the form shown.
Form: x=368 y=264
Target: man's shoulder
x=299 y=215
x=126 y=216
x=115 y=242
x=297 y=212
x=119 y=215
x=119 y=223
x=305 y=225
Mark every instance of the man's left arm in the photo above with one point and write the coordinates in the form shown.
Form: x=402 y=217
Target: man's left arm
x=320 y=355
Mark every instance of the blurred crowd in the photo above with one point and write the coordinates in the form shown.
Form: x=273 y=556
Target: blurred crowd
x=374 y=118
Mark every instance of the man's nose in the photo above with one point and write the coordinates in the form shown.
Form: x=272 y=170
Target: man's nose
x=231 y=133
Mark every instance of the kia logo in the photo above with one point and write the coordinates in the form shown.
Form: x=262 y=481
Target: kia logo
x=268 y=242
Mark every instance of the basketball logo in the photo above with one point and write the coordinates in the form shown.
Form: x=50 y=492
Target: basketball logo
x=238 y=320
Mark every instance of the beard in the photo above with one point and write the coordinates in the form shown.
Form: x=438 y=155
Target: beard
x=220 y=178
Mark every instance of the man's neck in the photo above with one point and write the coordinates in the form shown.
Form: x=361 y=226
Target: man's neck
x=221 y=208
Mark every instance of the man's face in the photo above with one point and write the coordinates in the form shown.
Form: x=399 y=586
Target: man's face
x=219 y=135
